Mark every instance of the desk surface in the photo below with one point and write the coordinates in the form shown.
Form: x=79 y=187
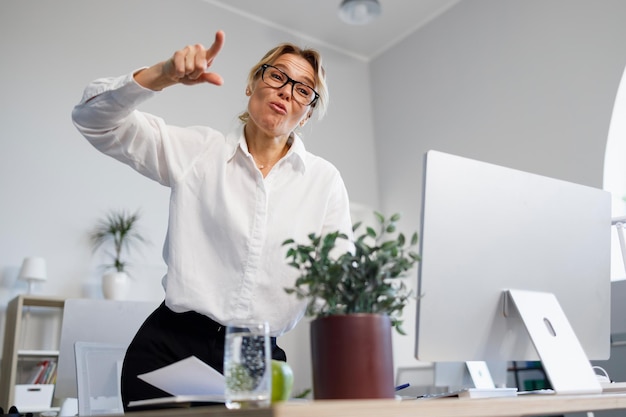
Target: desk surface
x=441 y=407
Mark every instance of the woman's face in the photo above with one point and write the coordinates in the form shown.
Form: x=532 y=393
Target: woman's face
x=273 y=110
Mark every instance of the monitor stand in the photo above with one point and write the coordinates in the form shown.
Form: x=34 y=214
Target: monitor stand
x=559 y=350
x=480 y=375
x=470 y=379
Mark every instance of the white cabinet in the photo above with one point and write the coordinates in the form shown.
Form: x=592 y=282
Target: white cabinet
x=32 y=331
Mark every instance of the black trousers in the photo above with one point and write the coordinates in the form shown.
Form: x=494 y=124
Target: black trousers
x=167 y=337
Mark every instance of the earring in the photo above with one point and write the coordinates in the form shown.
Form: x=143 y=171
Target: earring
x=248 y=92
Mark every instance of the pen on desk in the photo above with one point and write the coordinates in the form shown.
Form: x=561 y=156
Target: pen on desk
x=403 y=386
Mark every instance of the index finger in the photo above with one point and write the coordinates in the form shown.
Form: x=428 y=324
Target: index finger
x=216 y=47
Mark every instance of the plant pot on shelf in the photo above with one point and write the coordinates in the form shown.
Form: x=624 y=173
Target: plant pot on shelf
x=352 y=357
x=115 y=285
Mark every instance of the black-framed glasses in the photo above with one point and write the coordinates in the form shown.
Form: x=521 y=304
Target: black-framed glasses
x=276 y=78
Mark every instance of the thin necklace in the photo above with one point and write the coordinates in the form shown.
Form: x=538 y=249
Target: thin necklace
x=258 y=164
x=262 y=166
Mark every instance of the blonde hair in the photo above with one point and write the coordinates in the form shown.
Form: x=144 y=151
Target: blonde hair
x=312 y=57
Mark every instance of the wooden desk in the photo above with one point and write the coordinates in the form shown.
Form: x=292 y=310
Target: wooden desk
x=448 y=407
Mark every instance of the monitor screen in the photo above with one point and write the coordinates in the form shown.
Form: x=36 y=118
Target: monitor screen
x=89 y=320
x=487 y=229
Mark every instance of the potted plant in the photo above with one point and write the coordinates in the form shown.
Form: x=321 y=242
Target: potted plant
x=119 y=228
x=355 y=298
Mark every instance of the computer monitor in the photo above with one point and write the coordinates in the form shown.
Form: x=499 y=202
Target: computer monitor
x=89 y=320
x=487 y=229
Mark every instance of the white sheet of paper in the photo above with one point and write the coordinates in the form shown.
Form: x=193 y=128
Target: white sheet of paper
x=189 y=376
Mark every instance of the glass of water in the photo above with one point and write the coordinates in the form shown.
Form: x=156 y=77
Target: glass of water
x=247 y=365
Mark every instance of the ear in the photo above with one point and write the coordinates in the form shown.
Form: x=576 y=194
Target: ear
x=306 y=119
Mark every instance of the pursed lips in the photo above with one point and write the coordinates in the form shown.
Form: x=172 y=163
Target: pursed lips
x=279 y=107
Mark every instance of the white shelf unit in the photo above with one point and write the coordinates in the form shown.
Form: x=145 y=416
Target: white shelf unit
x=19 y=356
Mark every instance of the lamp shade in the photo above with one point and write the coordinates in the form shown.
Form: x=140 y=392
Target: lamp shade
x=33 y=269
x=359 y=12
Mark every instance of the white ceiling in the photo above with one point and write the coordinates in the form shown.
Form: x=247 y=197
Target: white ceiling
x=318 y=20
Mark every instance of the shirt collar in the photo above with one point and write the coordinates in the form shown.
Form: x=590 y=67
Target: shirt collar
x=237 y=141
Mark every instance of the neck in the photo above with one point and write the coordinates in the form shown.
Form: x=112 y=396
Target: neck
x=266 y=150
x=260 y=139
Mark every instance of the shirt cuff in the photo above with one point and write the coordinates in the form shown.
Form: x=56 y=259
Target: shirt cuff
x=124 y=90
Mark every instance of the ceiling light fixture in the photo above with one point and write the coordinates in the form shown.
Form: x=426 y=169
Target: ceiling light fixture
x=359 y=12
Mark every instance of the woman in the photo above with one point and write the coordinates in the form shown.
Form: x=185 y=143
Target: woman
x=234 y=199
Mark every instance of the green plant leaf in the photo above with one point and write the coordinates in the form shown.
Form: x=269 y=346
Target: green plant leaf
x=119 y=227
x=363 y=280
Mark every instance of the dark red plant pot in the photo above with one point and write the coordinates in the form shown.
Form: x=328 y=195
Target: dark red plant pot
x=352 y=357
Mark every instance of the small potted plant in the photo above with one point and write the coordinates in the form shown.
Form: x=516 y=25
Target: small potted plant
x=355 y=299
x=119 y=228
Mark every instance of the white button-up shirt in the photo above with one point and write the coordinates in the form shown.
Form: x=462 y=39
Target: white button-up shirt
x=227 y=223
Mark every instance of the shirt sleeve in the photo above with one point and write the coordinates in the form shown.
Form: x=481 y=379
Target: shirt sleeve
x=107 y=101
x=338 y=216
x=108 y=118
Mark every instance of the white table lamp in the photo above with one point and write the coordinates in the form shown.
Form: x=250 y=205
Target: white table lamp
x=33 y=269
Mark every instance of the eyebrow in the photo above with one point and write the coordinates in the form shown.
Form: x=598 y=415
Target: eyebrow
x=309 y=82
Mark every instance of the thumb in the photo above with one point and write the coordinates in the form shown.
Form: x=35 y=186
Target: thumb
x=213 y=78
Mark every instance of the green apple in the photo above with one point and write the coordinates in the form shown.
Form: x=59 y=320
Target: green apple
x=282 y=381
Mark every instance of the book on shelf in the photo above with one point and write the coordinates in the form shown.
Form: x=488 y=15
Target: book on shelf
x=43 y=373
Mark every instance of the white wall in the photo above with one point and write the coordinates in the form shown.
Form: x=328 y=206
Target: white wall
x=528 y=84
x=54 y=186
